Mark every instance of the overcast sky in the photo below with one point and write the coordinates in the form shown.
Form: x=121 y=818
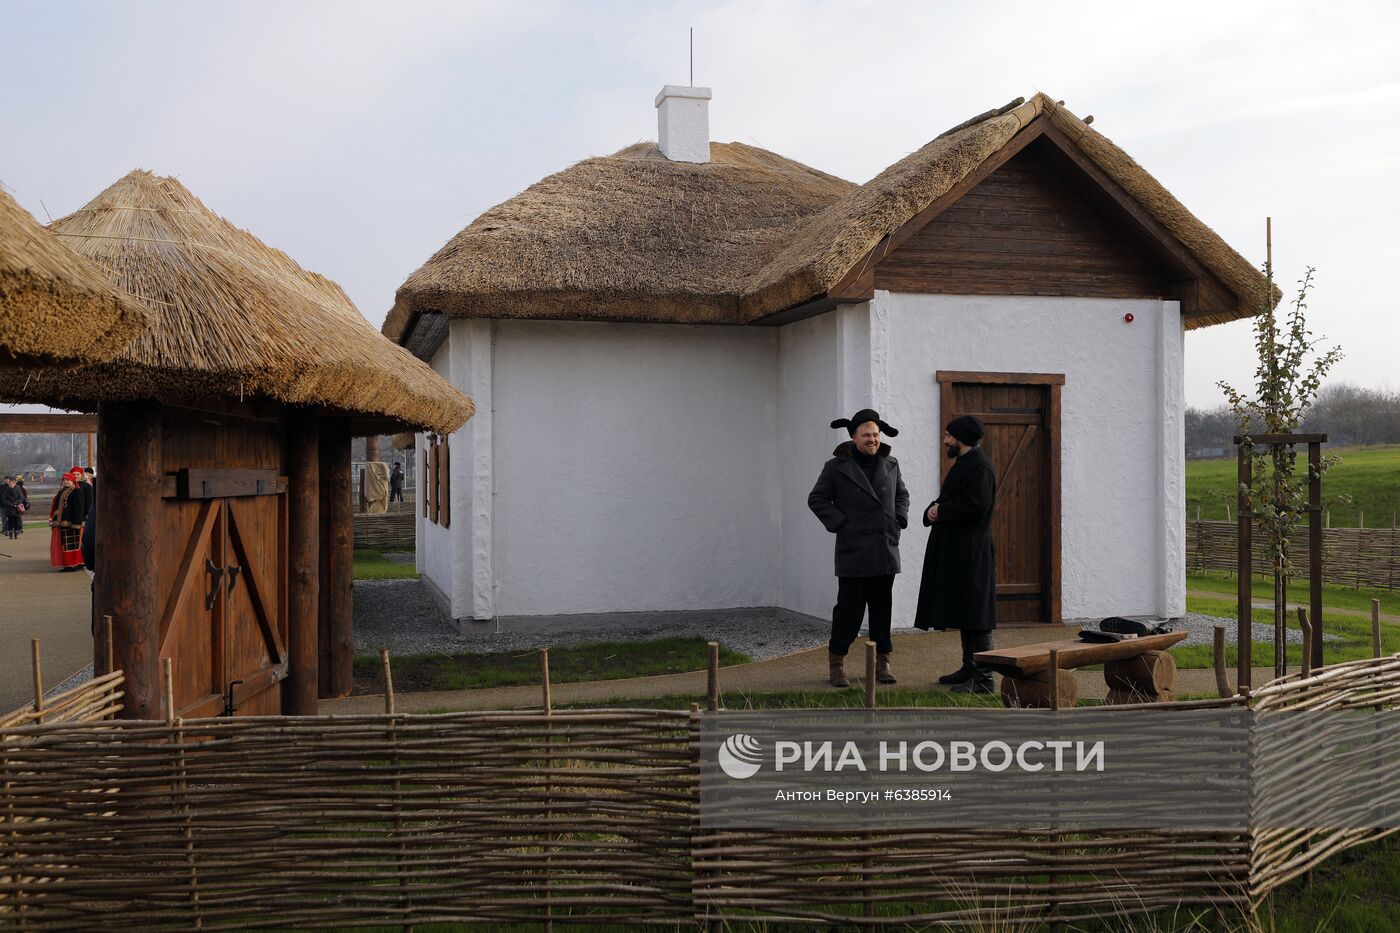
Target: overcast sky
x=360 y=136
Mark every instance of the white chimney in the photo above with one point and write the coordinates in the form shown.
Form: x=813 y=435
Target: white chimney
x=683 y=123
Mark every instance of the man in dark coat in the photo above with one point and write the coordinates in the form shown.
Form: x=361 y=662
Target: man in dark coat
x=861 y=498
x=958 y=588
x=10 y=514
x=396 y=482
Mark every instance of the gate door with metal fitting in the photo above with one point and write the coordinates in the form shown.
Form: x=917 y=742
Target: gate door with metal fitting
x=223 y=554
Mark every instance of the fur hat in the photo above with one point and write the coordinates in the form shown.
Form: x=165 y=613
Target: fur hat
x=859 y=418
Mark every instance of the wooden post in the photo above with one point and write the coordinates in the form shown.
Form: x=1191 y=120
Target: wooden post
x=92 y=443
x=712 y=688
x=1313 y=647
x=336 y=645
x=388 y=681
x=1244 y=595
x=1375 y=628
x=38 y=679
x=544 y=679
x=1222 y=682
x=303 y=449
x=107 y=639
x=1054 y=673
x=167 y=689
x=1307 y=630
x=869 y=675
x=127 y=588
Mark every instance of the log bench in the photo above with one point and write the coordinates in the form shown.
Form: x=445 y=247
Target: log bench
x=1137 y=670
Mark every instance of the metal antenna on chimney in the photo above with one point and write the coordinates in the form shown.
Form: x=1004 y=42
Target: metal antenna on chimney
x=692 y=57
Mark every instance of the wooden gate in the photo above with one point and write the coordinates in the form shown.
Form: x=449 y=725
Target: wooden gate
x=223 y=558
x=1021 y=412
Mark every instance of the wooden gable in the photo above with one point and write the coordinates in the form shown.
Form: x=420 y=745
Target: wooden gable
x=1036 y=218
x=1023 y=230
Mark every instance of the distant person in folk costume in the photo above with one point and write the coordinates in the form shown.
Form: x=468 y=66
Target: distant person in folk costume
x=67 y=513
x=861 y=498
x=958 y=587
x=396 y=483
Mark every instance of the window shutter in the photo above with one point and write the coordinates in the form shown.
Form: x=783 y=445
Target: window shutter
x=437 y=482
x=445 y=483
x=427 y=486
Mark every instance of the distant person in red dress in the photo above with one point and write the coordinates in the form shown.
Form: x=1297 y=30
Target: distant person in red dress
x=66 y=515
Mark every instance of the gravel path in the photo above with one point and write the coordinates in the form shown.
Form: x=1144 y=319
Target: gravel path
x=401 y=615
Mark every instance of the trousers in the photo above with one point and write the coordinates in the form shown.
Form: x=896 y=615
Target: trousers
x=853 y=596
x=972 y=642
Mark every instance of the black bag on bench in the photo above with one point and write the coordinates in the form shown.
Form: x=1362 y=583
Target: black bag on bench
x=1117 y=628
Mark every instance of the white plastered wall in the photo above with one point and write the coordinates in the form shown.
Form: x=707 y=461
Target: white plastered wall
x=1122 y=480
x=634 y=466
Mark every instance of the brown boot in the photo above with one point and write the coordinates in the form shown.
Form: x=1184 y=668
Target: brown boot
x=838 y=671
x=882 y=669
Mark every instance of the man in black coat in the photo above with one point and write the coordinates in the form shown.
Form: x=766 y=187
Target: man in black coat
x=396 y=482
x=861 y=498
x=10 y=514
x=958 y=588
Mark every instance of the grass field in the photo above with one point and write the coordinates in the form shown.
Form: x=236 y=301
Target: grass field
x=567 y=664
x=1370 y=475
x=373 y=565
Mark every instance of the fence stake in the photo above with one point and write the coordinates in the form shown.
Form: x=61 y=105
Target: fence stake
x=712 y=689
x=1054 y=673
x=38 y=680
x=107 y=634
x=1307 y=640
x=388 y=681
x=869 y=675
x=1360 y=518
x=544 y=678
x=1222 y=683
x=1327 y=519
x=1375 y=628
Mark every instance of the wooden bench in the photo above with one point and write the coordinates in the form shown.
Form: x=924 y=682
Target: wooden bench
x=1137 y=670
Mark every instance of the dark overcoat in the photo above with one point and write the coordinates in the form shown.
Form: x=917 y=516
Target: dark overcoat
x=9 y=499
x=958 y=588
x=866 y=518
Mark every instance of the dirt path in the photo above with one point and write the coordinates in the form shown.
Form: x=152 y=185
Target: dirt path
x=37 y=601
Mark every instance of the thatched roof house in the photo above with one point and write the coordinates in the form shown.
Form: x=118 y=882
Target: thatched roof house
x=55 y=307
x=749 y=234
x=233 y=318
x=678 y=323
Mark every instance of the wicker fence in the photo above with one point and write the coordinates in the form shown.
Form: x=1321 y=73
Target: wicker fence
x=1350 y=556
x=389 y=531
x=531 y=817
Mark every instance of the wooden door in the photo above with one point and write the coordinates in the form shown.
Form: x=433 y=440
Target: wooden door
x=1021 y=413
x=224 y=625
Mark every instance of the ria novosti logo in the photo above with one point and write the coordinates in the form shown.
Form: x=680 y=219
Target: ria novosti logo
x=741 y=756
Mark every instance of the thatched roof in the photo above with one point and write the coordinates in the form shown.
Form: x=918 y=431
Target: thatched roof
x=632 y=238
x=55 y=307
x=628 y=237
x=234 y=318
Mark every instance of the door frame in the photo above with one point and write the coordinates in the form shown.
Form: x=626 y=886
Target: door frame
x=1054 y=382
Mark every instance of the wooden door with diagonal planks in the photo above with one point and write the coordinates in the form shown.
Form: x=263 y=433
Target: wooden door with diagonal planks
x=223 y=538
x=1020 y=412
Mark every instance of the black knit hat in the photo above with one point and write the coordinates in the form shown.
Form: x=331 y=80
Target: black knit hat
x=966 y=428
x=859 y=418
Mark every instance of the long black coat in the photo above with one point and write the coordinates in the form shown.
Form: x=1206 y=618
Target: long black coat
x=866 y=520
x=958 y=588
x=9 y=499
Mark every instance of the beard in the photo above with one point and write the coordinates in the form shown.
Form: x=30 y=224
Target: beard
x=952 y=451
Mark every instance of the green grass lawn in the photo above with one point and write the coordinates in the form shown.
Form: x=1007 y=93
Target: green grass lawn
x=601 y=661
x=1355 y=634
x=1370 y=475
x=1333 y=596
x=372 y=565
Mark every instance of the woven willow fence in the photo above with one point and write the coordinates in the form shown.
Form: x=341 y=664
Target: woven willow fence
x=388 y=531
x=1350 y=556
x=574 y=816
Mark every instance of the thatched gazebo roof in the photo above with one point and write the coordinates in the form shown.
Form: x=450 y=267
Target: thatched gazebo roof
x=234 y=318
x=634 y=236
x=55 y=307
